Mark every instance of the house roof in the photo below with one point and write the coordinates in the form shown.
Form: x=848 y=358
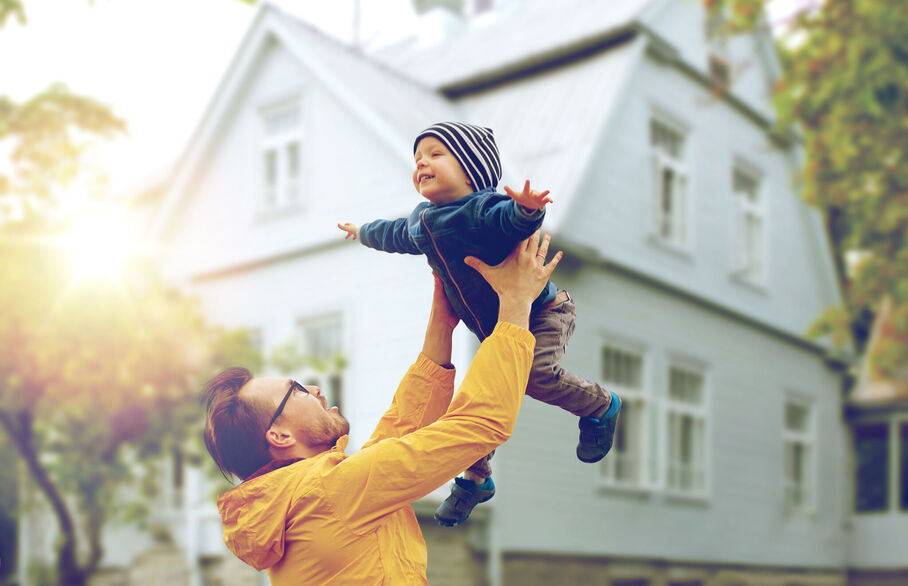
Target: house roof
x=396 y=94
x=514 y=38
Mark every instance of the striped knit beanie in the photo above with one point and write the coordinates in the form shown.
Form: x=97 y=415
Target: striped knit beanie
x=473 y=147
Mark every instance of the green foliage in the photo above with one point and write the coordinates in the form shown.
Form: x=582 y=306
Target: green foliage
x=48 y=135
x=99 y=379
x=845 y=87
x=11 y=8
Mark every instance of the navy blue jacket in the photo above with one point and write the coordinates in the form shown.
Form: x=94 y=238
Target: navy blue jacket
x=484 y=224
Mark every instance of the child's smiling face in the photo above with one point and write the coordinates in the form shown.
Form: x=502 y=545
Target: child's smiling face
x=438 y=176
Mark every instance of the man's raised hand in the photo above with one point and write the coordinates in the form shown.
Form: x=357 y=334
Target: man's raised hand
x=519 y=278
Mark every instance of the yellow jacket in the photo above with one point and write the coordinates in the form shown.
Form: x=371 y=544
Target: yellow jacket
x=339 y=519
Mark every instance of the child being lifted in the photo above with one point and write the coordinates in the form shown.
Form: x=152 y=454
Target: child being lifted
x=457 y=171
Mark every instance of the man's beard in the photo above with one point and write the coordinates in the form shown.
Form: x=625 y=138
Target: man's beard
x=327 y=431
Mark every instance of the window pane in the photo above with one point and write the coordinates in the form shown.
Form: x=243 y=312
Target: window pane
x=666 y=139
x=282 y=120
x=745 y=186
x=621 y=368
x=293 y=160
x=795 y=417
x=270 y=168
x=686 y=387
x=903 y=447
x=871 y=448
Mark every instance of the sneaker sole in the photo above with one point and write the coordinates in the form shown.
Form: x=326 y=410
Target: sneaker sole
x=453 y=522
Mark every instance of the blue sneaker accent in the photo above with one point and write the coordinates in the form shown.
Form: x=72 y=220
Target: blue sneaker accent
x=465 y=494
x=597 y=435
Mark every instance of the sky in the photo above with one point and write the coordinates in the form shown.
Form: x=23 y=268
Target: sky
x=157 y=63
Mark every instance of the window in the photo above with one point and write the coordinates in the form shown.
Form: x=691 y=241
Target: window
x=480 y=6
x=749 y=225
x=322 y=347
x=717 y=34
x=798 y=443
x=686 y=432
x=281 y=154
x=622 y=372
x=719 y=71
x=871 y=452
x=669 y=181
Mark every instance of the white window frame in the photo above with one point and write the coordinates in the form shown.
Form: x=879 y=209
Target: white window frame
x=749 y=260
x=807 y=438
x=308 y=374
x=699 y=413
x=286 y=192
x=672 y=229
x=637 y=399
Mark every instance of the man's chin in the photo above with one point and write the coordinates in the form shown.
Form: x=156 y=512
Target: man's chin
x=343 y=426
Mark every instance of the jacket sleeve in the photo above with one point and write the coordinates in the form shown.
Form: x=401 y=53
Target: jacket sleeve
x=388 y=235
x=422 y=397
x=393 y=472
x=508 y=218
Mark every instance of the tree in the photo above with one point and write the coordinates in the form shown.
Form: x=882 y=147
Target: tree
x=98 y=378
x=95 y=380
x=845 y=89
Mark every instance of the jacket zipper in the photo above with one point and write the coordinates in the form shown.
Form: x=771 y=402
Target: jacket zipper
x=422 y=218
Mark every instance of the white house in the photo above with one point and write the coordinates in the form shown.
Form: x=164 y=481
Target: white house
x=695 y=267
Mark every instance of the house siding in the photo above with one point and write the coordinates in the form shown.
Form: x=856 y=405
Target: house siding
x=749 y=374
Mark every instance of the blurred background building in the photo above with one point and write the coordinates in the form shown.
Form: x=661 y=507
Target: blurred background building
x=696 y=269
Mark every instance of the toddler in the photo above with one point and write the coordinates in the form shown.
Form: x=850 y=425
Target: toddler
x=457 y=170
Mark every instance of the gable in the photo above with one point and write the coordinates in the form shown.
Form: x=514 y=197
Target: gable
x=750 y=57
x=613 y=223
x=390 y=108
x=546 y=125
x=347 y=172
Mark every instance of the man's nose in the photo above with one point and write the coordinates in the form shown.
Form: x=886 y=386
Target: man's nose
x=314 y=391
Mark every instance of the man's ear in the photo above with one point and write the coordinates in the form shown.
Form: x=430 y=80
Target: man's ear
x=276 y=438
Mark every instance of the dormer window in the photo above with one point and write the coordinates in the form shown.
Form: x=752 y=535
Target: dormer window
x=719 y=71
x=719 y=62
x=281 y=154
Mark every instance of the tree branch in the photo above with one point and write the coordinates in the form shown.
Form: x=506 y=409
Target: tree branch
x=18 y=428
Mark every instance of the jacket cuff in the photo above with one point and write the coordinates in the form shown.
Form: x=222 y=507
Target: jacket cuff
x=528 y=215
x=427 y=366
x=515 y=332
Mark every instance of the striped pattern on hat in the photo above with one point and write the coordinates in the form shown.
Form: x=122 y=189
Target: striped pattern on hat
x=474 y=148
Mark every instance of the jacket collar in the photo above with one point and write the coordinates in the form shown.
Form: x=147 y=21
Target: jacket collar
x=278 y=464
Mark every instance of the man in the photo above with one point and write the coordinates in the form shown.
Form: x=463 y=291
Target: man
x=310 y=514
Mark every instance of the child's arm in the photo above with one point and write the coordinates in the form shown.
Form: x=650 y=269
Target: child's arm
x=518 y=217
x=385 y=235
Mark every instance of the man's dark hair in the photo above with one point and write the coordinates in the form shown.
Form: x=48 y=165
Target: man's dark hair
x=235 y=426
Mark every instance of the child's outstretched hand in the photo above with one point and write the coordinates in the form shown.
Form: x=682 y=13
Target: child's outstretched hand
x=529 y=198
x=350 y=229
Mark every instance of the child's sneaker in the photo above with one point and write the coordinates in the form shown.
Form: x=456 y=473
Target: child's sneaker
x=465 y=494
x=596 y=435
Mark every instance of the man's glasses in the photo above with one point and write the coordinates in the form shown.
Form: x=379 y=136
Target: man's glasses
x=294 y=386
